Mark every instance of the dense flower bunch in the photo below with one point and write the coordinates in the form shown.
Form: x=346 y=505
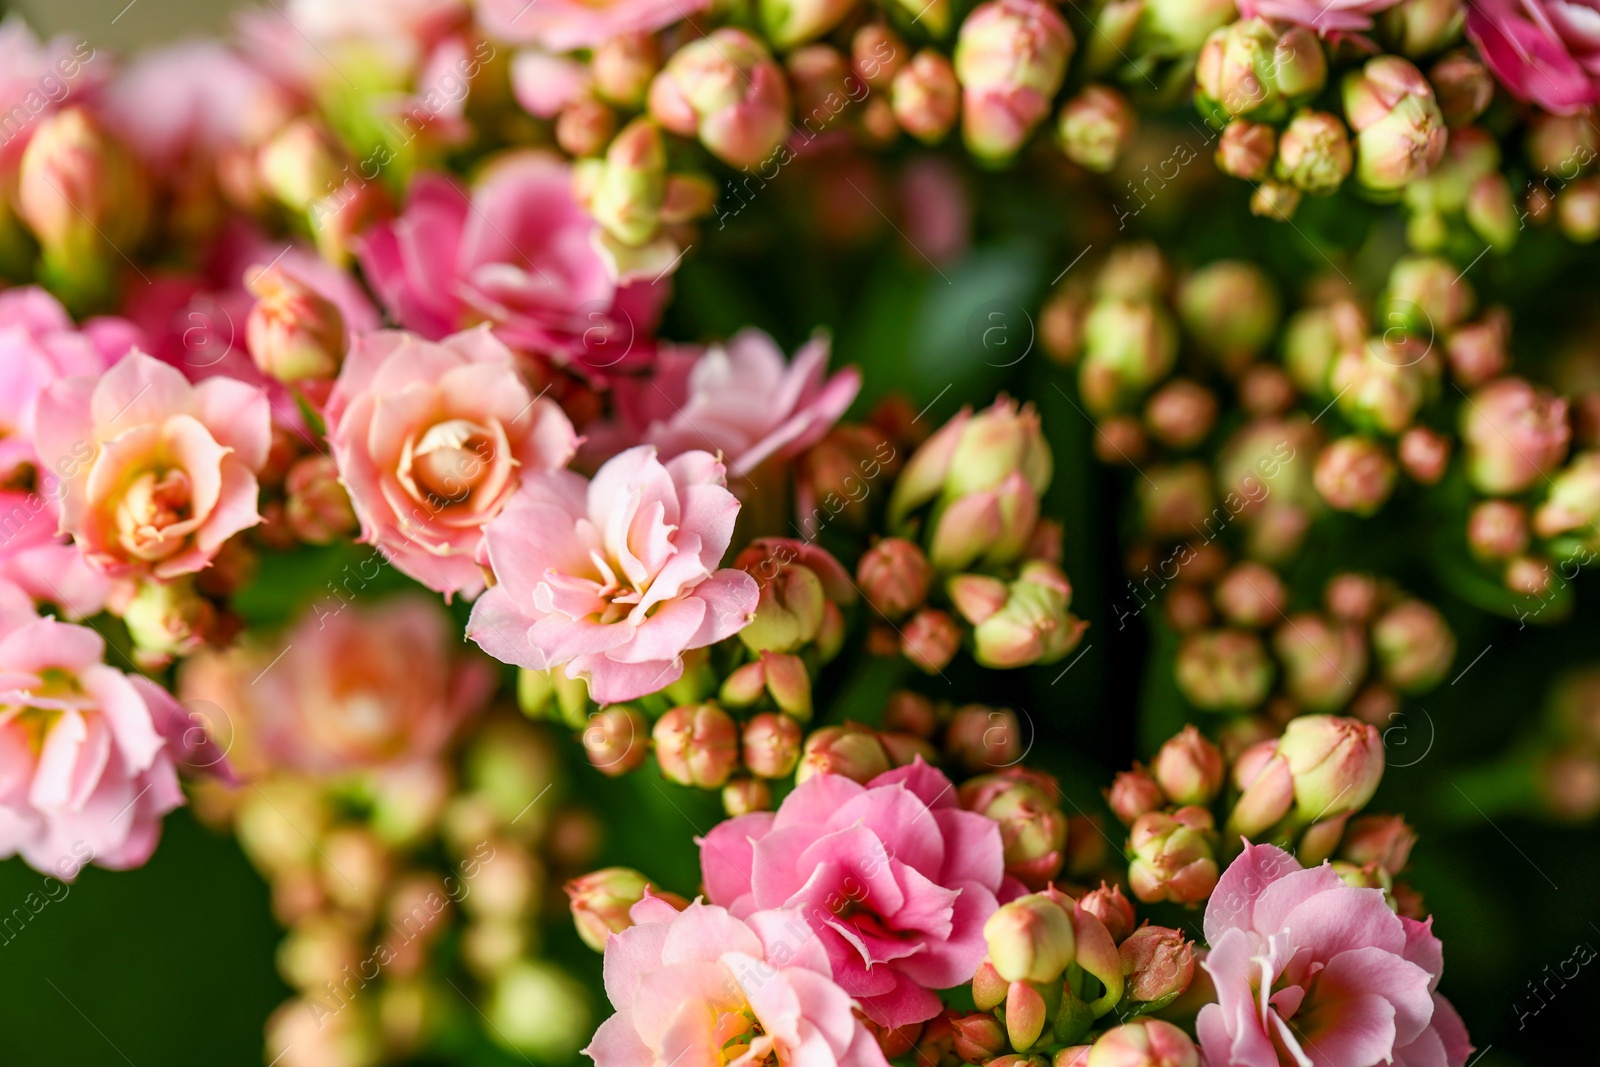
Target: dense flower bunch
x=355 y=396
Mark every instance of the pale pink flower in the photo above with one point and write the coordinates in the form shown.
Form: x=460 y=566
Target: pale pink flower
x=1311 y=971
x=35 y=78
x=704 y=987
x=564 y=25
x=740 y=399
x=1543 y=51
x=518 y=252
x=85 y=769
x=306 y=43
x=432 y=440
x=157 y=473
x=892 y=877
x=1324 y=16
x=614 y=579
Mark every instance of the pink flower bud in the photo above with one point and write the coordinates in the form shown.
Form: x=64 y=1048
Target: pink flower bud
x=1033 y=829
x=976 y=596
x=1571 y=510
x=771 y=745
x=894 y=576
x=979 y=1037
x=1224 y=670
x=974 y=454
x=1424 y=454
x=1251 y=594
x=1477 y=351
x=1133 y=793
x=1314 y=153
x=1010 y=57
x=1384 y=840
x=1426 y=294
x=726 y=89
x=1492 y=211
x=167 y=619
x=1172 y=857
x=1381 y=385
x=1514 y=434
x=1400 y=133
x=1114 y=910
x=877 y=54
x=1323 y=661
x=988 y=988
x=1354 y=474
x=696 y=745
x=1497 y=530
x=1181 y=413
x=584 y=127
x=294 y=333
x=792 y=22
x=1129 y=346
x=1414 y=645
x=790 y=609
x=981 y=738
x=1464 y=86
x=1232 y=310
x=78 y=189
x=744 y=795
x=1336 y=764
x=1026 y=1015
x=1145 y=1043
x=1246 y=149
x=930 y=640
x=1158 y=962
x=1562 y=144
x=1096 y=127
x=622 y=67
x=851 y=751
x=1249 y=68
x=627 y=190
x=1275 y=200
x=1076 y=1055
x=1189 y=768
x=318 y=509
x=1266 y=791
x=1030 y=939
x=616 y=740
x=1034 y=625
x=600 y=902
x=926 y=97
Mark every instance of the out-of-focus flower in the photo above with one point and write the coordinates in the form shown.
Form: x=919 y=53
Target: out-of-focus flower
x=765 y=973
x=1464 y=86
x=1360 y=979
x=1354 y=474
x=1231 y=308
x=1400 y=132
x=1252 y=68
x=726 y=89
x=1414 y=645
x=771 y=745
x=1246 y=149
x=37 y=77
x=567 y=25
x=432 y=441
x=1144 y=1043
x=1096 y=127
x=893 y=880
x=1224 y=670
x=1324 y=16
x=614 y=579
x=894 y=576
x=157 y=473
x=1572 y=508
x=1010 y=57
x=87 y=769
x=1541 y=50
x=1514 y=434
x=1323 y=660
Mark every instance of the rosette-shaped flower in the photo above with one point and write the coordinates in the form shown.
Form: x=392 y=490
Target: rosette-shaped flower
x=564 y=25
x=158 y=473
x=892 y=878
x=1324 y=16
x=85 y=769
x=432 y=440
x=705 y=987
x=1322 y=972
x=614 y=579
x=1010 y=58
x=1545 y=52
x=518 y=252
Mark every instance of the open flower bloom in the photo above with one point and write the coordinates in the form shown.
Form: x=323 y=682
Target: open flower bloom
x=157 y=473
x=1546 y=52
x=894 y=879
x=308 y=43
x=705 y=988
x=432 y=440
x=518 y=252
x=1324 y=16
x=1310 y=971
x=85 y=771
x=741 y=399
x=614 y=579
x=563 y=25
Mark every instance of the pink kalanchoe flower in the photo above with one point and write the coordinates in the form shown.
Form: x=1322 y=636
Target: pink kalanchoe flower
x=689 y=985
x=35 y=77
x=564 y=25
x=740 y=399
x=518 y=252
x=1309 y=970
x=432 y=440
x=1545 y=52
x=157 y=473
x=1324 y=16
x=614 y=579
x=307 y=43
x=85 y=769
x=894 y=879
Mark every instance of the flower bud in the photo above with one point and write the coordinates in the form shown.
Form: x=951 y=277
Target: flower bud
x=1354 y=474
x=1189 y=768
x=1134 y=793
x=741 y=796
x=1275 y=200
x=982 y=738
x=1224 y=670
x=167 y=619
x=1248 y=68
x=1129 y=346
x=1158 y=962
x=1316 y=337
x=1336 y=764
x=1010 y=58
x=1231 y=309
x=584 y=127
x=1382 y=385
x=302 y=164
x=1424 y=454
x=1514 y=434
x=1251 y=594
x=1172 y=857
x=930 y=640
x=851 y=751
x=628 y=188
x=1096 y=127
x=1571 y=510
x=1476 y=351
x=1181 y=413
x=294 y=333
x=976 y=596
x=600 y=902
x=696 y=745
x=877 y=54
x=894 y=576
x=1246 y=149
x=771 y=745
x=1414 y=646
x=615 y=740
x=1026 y=1015
x=1033 y=829
x=789 y=610
x=979 y=1037
x=1180 y=27
x=1497 y=530
x=1030 y=939
x=778 y=675
x=1144 y=1043
x=1400 y=134
x=1266 y=790
x=926 y=96
x=1464 y=87
x=1384 y=840
x=1422 y=27
x=1034 y=625
x=1323 y=662
x=791 y=22
x=622 y=67
x=1111 y=908
x=1562 y=145
x=1426 y=294
x=726 y=89
x=1314 y=153
x=1492 y=212
x=318 y=509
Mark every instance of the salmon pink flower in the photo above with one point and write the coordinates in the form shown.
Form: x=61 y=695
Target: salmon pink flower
x=1309 y=970
x=432 y=440
x=893 y=878
x=158 y=473
x=614 y=579
x=705 y=987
